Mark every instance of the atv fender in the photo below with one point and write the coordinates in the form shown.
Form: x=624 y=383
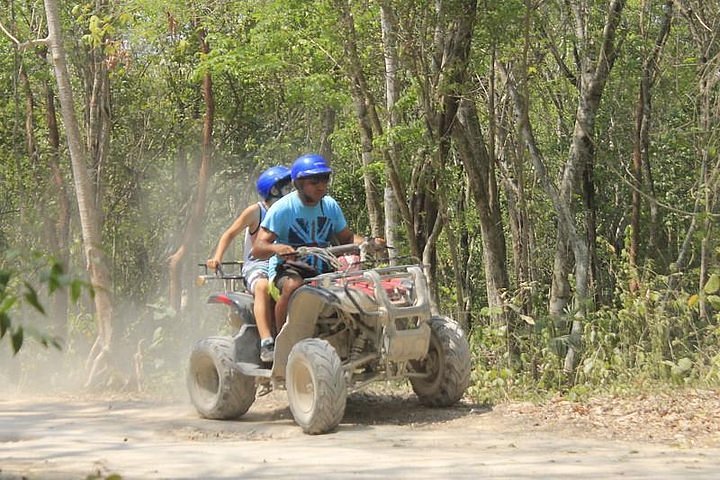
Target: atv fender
x=304 y=308
x=247 y=345
x=241 y=303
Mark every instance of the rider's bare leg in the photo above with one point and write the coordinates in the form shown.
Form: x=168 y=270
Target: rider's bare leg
x=262 y=308
x=289 y=284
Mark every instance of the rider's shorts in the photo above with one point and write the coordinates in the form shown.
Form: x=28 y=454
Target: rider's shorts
x=254 y=270
x=276 y=285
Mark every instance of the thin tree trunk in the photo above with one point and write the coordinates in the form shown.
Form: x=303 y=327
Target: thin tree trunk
x=89 y=218
x=416 y=210
x=641 y=145
x=591 y=224
x=389 y=38
x=483 y=185
x=98 y=120
x=567 y=233
x=459 y=114
x=458 y=253
x=594 y=69
x=328 y=127
x=360 y=95
x=52 y=243
x=703 y=22
x=429 y=253
x=30 y=144
x=707 y=243
x=190 y=234
x=61 y=225
x=637 y=182
x=441 y=100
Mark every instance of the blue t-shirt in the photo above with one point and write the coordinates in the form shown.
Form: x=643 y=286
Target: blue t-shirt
x=297 y=224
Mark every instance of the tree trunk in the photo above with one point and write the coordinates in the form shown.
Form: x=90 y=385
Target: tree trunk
x=360 y=95
x=593 y=76
x=640 y=118
x=641 y=141
x=519 y=220
x=457 y=246
x=389 y=38
x=190 y=234
x=568 y=237
x=441 y=101
x=468 y=137
x=478 y=164
x=98 y=119
x=61 y=226
x=85 y=194
x=703 y=25
x=52 y=242
x=328 y=127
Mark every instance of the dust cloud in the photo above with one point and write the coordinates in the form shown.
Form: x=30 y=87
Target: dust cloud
x=151 y=342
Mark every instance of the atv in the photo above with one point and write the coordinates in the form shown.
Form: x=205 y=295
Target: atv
x=345 y=329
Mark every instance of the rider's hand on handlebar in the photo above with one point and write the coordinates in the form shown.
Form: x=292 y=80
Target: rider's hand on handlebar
x=374 y=244
x=213 y=264
x=285 y=251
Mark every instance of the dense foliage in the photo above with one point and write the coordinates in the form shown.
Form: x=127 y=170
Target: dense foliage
x=293 y=77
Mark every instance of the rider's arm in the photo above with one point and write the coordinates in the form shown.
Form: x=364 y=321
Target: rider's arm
x=346 y=236
x=248 y=218
x=265 y=246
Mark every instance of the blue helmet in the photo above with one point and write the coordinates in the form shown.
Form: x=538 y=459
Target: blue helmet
x=270 y=178
x=309 y=165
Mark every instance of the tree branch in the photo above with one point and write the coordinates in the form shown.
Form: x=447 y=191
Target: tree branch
x=558 y=58
x=23 y=45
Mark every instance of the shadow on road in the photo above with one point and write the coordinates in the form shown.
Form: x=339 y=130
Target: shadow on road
x=384 y=409
x=371 y=408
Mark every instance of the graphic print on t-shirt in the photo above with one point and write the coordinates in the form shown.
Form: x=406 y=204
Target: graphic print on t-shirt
x=315 y=232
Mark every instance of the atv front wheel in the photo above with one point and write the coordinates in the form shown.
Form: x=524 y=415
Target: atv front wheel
x=217 y=388
x=447 y=365
x=316 y=386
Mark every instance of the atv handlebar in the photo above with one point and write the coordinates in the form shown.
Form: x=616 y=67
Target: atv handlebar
x=369 y=245
x=329 y=254
x=336 y=250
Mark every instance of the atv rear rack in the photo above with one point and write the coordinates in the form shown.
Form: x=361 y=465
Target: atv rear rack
x=232 y=282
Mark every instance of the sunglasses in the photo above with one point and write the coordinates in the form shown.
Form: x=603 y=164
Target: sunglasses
x=318 y=179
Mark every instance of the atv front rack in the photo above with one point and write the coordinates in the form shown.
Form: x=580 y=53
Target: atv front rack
x=396 y=298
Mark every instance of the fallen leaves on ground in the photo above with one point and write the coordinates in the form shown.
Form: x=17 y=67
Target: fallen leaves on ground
x=688 y=417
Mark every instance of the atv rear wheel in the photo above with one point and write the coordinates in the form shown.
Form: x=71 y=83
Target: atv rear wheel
x=316 y=386
x=217 y=388
x=447 y=365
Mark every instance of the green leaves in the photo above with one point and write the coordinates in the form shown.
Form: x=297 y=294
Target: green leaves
x=712 y=285
x=709 y=293
x=17 y=339
x=32 y=298
x=681 y=369
x=4 y=280
x=4 y=323
x=17 y=292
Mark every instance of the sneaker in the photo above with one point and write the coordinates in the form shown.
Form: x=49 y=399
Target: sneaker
x=267 y=352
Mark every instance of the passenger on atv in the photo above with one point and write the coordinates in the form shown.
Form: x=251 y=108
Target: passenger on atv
x=271 y=185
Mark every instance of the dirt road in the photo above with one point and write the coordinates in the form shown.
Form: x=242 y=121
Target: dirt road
x=381 y=437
